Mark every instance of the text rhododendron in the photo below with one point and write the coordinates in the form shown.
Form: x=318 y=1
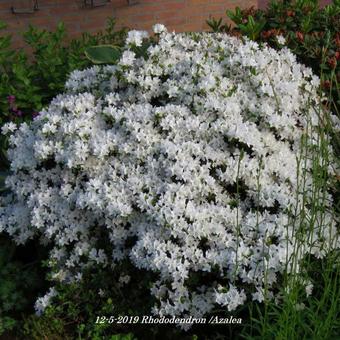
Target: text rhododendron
x=185 y=162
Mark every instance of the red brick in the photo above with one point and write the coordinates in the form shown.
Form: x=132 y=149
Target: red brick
x=178 y=15
x=177 y=22
x=196 y=2
x=166 y=15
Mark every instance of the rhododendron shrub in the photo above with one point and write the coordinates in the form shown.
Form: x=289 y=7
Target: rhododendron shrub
x=187 y=162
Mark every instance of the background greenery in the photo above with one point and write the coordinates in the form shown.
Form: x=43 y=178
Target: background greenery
x=29 y=81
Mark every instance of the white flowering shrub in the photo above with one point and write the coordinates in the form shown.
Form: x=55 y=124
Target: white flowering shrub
x=188 y=163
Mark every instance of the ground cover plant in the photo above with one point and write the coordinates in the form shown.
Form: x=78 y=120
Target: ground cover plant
x=199 y=168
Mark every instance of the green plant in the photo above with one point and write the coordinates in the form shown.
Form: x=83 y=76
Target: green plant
x=103 y=54
x=252 y=28
x=21 y=278
x=110 y=54
x=218 y=26
x=75 y=311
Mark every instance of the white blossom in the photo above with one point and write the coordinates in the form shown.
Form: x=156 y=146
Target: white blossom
x=281 y=39
x=232 y=298
x=43 y=302
x=136 y=37
x=309 y=289
x=159 y=29
x=8 y=128
x=127 y=58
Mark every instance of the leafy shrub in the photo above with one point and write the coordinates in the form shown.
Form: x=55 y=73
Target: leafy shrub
x=193 y=163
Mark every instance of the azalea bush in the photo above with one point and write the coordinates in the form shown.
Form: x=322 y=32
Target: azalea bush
x=194 y=163
x=311 y=32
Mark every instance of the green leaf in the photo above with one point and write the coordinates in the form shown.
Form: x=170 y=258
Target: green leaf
x=128 y=336
x=2 y=25
x=103 y=54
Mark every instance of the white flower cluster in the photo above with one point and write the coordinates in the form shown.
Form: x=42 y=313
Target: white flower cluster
x=184 y=162
x=136 y=37
x=43 y=302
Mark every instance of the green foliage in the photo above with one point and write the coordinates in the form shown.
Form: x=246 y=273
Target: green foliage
x=217 y=25
x=103 y=54
x=75 y=311
x=252 y=28
x=141 y=51
x=110 y=54
x=20 y=281
x=237 y=16
x=297 y=316
x=35 y=82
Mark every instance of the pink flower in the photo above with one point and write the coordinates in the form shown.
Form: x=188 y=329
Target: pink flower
x=17 y=112
x=11 y=99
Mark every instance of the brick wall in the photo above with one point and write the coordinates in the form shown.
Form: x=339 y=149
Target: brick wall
x=178 y=15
